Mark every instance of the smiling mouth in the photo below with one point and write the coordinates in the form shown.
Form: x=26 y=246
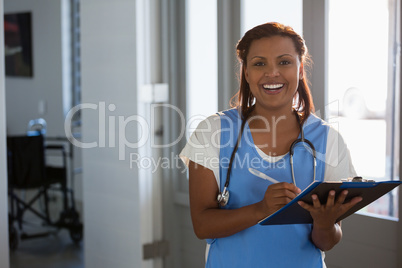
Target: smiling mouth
x=272 y=87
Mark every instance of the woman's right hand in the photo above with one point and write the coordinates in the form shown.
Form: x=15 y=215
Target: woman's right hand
x=210 y=221
x=276 y=196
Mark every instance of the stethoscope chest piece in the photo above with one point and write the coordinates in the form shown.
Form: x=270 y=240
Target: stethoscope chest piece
x=223 y=197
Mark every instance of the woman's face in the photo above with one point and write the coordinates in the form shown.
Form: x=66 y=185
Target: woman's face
x=273 y=71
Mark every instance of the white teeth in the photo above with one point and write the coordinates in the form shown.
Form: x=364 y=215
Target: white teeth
x=274 y=86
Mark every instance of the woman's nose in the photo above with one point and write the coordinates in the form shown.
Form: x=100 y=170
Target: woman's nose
x=271 y=72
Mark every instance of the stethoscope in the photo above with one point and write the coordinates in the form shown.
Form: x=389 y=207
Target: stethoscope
x=223 y=197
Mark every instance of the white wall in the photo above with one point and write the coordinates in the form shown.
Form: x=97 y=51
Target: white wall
x=112 y=227
x=4 y=252
x=50 y=72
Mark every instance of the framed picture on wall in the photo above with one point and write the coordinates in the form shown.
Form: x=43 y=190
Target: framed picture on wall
x=18 y=44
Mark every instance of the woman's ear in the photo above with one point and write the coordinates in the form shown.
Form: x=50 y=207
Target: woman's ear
x=301 y=71
x=245 y=72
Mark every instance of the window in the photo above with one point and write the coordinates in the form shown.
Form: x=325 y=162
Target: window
x=288 y=12
x=362 y=87
x=201 y=55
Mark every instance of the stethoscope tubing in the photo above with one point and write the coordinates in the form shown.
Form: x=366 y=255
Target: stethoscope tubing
x=291 y=152
x=223 y=197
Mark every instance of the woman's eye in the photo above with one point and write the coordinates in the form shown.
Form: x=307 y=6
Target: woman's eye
x=284 y=62
x=259 y=64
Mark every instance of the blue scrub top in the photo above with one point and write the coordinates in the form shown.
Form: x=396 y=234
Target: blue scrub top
x=266 y=246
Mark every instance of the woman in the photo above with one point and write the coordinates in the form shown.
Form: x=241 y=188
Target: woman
x=274 y=105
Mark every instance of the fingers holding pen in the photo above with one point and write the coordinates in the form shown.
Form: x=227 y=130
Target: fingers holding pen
x=283 y=189
x=278 y=195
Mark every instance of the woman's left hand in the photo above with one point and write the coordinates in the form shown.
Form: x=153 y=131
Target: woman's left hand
x=325 y=215
x=326 y=232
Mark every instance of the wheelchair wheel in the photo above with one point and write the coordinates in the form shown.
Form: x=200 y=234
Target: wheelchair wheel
x=76 y=232
x=13 y=238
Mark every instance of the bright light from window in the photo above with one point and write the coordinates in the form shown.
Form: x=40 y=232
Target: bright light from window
x=288 y=12
x=202 y=79
x=360 y=89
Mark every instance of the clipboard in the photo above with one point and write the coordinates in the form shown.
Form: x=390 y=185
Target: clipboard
x=293 y=213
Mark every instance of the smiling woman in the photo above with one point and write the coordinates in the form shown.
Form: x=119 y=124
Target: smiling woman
x=273 y=108
x=275 y=53
x=273 y=71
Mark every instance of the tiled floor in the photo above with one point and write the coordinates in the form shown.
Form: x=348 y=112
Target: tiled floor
x=56 y=250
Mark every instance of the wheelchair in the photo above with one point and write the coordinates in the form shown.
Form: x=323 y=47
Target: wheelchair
x=28 y=171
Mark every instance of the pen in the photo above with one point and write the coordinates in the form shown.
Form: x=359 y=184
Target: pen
x=262 y=175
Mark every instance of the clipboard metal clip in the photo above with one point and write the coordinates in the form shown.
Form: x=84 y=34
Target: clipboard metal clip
x=356 y=179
